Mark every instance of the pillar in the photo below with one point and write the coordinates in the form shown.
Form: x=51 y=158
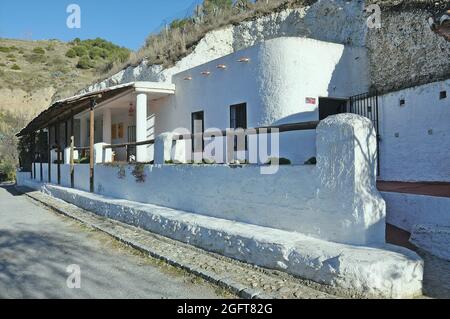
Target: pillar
x=141 y=126
x=91 y=146
x=83 y=131
x=107 y=126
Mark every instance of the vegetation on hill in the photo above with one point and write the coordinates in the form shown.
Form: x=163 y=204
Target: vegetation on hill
x=96 y=53
x=9 y=122
x=67 y=67
x=31 y=69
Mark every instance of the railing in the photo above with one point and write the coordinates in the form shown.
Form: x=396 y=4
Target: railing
x=129 y=146
x=302 y=126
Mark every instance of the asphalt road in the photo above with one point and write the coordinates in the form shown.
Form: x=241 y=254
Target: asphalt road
x=37 y=246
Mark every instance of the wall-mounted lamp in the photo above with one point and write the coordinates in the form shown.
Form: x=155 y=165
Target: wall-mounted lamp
x=244 y=60
x=222 y=66
x=131 y=110
x=206 y=73
x=188 y=78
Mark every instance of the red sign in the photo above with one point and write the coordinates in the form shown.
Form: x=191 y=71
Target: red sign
x=311 y=100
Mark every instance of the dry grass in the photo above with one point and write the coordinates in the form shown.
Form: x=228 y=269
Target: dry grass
x=172 y=44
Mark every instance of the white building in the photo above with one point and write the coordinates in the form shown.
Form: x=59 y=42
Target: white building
x=290 y=84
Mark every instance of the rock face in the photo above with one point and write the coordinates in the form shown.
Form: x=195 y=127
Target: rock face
x=403 y=53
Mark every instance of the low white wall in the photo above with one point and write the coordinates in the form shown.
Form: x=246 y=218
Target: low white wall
x=82 y=179
x=415 y=137
x=408 y=210
x=22 y=178
x=336 y=200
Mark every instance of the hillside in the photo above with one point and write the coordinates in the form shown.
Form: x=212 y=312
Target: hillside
x=33 y=73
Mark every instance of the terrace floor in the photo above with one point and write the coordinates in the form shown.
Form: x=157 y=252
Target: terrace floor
x=423 y=188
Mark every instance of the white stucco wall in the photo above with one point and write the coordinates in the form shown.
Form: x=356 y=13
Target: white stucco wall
x=275 y=82
x=336 y=200
x=408 y=210
x=82 y=180
x=421 y=152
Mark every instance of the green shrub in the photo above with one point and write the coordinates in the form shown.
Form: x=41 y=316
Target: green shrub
x=85 y=63
x=71 y=54
x=7 y=171
x=5 y=49
x=39 y=50
x=179 y=23
x=10 y=56
x=2 y=64
x=15 y=67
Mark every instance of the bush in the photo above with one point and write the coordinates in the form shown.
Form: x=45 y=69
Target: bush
x=39 y=50
x=10 y=56
x=7 y=171
x=85 y=63
x=71 y=54
x=5 y=49
x=2 y=64
x=81 y=51
x=16 y=67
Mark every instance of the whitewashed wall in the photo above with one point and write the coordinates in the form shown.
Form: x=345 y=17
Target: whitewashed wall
x=415 y=143
x=408 y=210
x=336 y=200
x=275 y=83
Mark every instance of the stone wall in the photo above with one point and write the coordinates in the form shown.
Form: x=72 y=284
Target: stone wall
x=405 y=52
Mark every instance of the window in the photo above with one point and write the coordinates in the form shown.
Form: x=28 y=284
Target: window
x=198 y=126
x=443 y=95
x=238 y=120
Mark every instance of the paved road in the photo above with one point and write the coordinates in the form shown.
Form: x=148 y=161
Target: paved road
x=37 y=246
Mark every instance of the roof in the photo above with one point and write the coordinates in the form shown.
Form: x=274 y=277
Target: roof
x=63 y=110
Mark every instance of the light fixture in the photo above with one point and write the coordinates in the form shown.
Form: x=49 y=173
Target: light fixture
x=244 y=60
x=131 y=110
x=188 y=78
x=206 y=73
x=222 y=66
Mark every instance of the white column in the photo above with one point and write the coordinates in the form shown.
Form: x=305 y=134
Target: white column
x=107 y=126
x=141 y=126
x=83 y=131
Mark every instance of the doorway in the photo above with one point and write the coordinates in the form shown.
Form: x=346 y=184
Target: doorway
x=331 y=106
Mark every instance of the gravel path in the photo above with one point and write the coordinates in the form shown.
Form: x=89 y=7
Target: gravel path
x=37 y=246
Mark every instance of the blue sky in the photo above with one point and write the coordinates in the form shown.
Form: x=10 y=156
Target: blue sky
x=124 y=22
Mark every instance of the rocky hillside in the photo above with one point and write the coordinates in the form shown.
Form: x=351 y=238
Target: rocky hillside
x=404 y=52
x=33 y=73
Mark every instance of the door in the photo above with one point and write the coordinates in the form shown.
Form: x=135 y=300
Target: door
x=197 y=127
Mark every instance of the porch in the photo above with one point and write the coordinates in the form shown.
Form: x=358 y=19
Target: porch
x=115 y=124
